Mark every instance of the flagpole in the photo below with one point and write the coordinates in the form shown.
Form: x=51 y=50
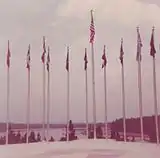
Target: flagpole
x=93 y=82
x=44 y=87
x=8 y=105
x=86 y=80
x=44 y=108
x=28 y=107
x=68 y=95
x=48 y=100
x=105 y=101
x=152 y=53
x=140 y=99
x=105 y=92
x=155 y=100
x=92 y=34
x=48 y=109
x=123 y=90
x=123 y=103
x=138 y=58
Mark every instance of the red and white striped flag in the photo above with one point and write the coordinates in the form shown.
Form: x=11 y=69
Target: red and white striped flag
x=85 y=59
x=48 y=59
x=152 y=49
x=8 y=56
x=92 y=29
x=121 y=52
x=139 y=46
x=67 y=59
x=44 y=51
x=28 y=58
x=104 y=57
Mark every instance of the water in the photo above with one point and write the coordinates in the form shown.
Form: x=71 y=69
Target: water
x=56 y=133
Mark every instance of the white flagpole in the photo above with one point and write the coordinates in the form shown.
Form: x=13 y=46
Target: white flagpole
x=44 y=101
x=44 y=88
x=123 y=103
x=139 y=45
x=92 y=34
x=123 y=91
x=28 y=108
x=140 y=100
x=94 y=100
x=105 y=101
x=155 y=100
x=48 y=103
x=8 y=105
x=68 y=96
x=152 y=53
x=86 y=80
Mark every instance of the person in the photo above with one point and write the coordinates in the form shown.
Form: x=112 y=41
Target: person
x=32 y=137
x=99 y=132
x=71 y=131
x=38 y=137
x=71 y=127
x=51 y=139
x=18 y=137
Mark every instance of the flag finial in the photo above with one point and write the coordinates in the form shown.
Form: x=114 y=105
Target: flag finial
x=121 y=41
x=153 y=28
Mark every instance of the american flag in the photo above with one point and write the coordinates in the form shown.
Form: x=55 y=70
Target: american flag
x=67 y=60
x=104 y=57
x=92 y=29
x=48 y=59
x=139 y=46
x=28 y=58
x=8 y=56
x=121 y=52
x=44 y=51
x=152 y=49
x=85 y=59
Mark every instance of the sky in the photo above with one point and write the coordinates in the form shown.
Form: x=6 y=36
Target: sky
x=66 y=23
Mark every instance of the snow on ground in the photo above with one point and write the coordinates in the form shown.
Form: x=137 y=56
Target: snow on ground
x=81 y=149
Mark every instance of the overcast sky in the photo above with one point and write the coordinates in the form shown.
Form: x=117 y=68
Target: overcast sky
x=66 y=22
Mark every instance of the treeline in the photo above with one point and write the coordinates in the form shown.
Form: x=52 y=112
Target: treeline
x=133 y=125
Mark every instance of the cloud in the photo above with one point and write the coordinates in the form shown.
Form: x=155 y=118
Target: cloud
x=67 y=23
x=125 y=12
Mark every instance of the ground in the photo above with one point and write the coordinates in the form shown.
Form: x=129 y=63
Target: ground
x=81 y=149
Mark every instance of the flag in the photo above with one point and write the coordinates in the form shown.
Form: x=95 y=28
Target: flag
x=67 y=60
x=8 y=56
x=85 y=59
x=104 y=57
x=152 y=49
x=139 y=46
x=48 y=60
x=92 y=29
x=28 y=58
x=44 y=51
x=121 y=52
